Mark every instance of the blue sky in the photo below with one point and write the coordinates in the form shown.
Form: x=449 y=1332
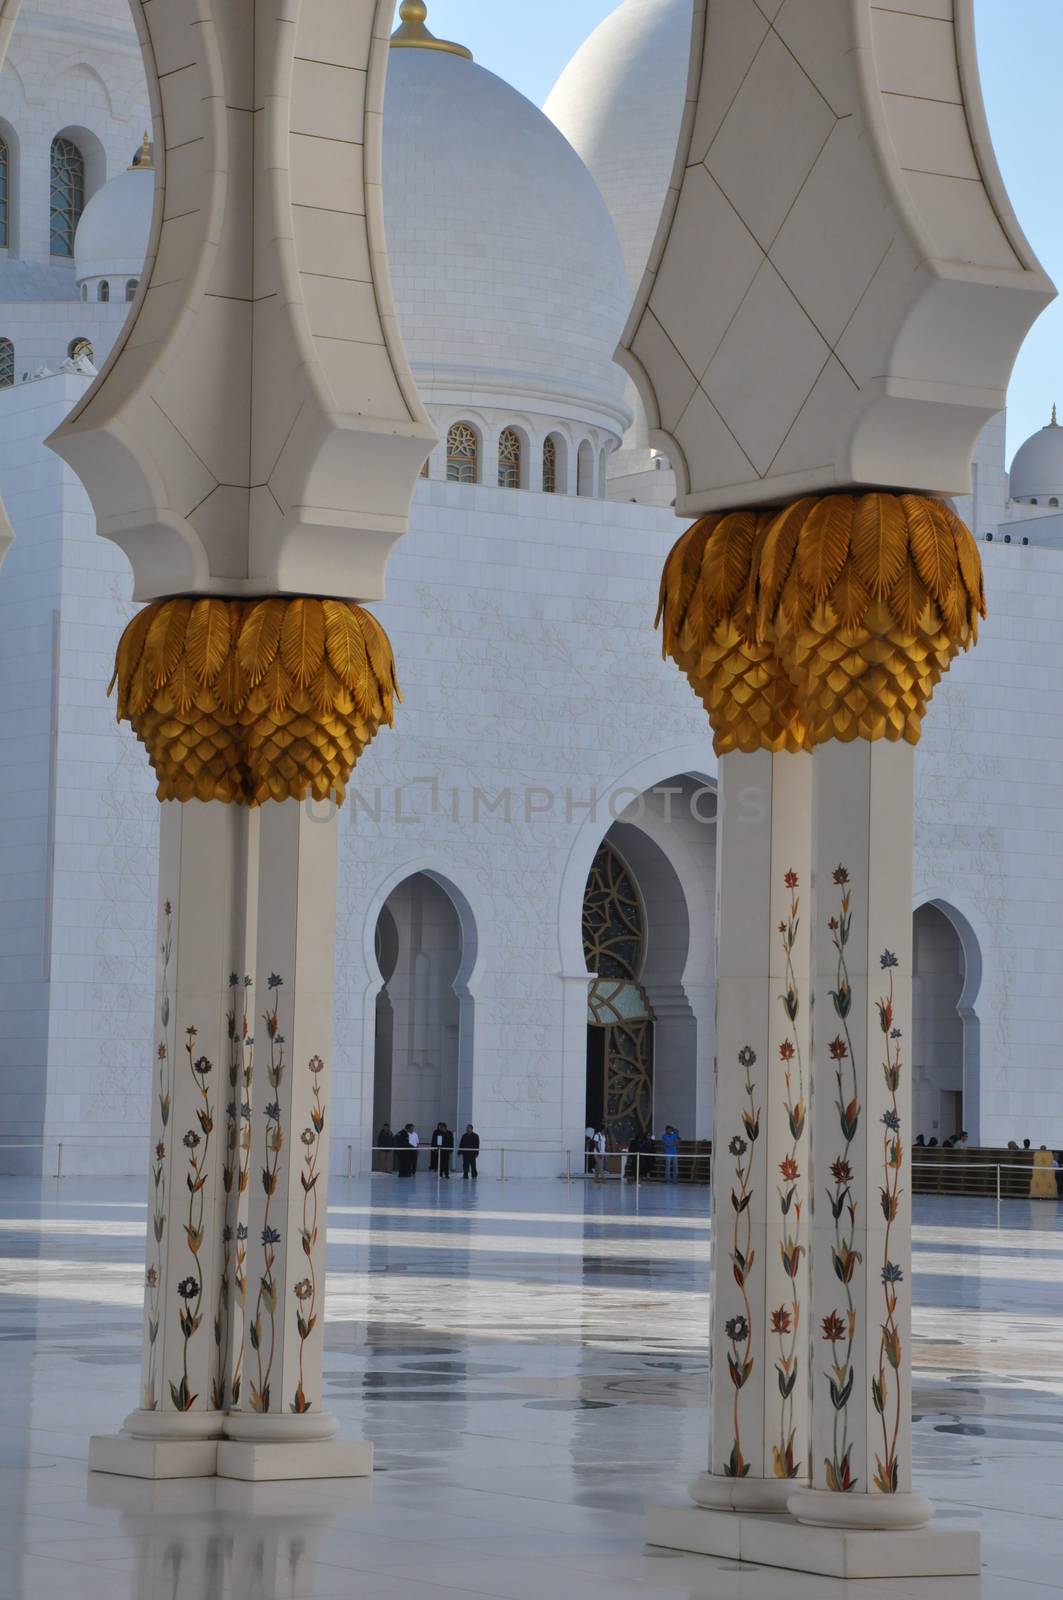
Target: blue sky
x=1021 y=50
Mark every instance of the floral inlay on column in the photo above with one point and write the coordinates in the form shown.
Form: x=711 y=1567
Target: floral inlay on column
x=839 y=1328
x=153 y=1274
x=886 y=1394
x=739 y=1329
x=305 y=1290
x=236 y=1178
x=268 y=1297
x=786 y=1320
x=190 y=1288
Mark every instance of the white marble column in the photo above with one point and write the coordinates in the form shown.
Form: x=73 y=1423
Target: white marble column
x=862 y=1091
x=199 y=944
x=280 y=1428
x=760 y=1168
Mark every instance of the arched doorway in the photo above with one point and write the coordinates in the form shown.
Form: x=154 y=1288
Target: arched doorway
x=946 y=974
x=423 y=1049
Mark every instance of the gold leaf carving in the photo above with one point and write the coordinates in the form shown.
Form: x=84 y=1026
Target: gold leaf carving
x=824 y=544
x=272 y=719
x=303 y=640
x=208 y=638
x=932 y=545
x=880 y=542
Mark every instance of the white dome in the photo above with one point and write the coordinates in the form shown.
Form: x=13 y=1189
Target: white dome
x=112 y=236
x=1037 y=470
x=619 y=103
x=506 y=268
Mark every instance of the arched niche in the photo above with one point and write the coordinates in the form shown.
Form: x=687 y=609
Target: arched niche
x=946 y=1031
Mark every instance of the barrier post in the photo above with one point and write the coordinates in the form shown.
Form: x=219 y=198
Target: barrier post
x=568 y=1166
x=502 y=1172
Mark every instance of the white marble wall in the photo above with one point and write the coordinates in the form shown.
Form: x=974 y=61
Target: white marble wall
x=78 y=821
x=534 y=690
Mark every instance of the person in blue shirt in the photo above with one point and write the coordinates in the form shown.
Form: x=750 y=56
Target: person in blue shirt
x=670 y=1141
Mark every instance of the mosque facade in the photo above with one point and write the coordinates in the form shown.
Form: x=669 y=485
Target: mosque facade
x=527 y=889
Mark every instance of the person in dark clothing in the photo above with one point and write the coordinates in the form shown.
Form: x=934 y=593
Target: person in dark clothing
x=437 y=1147
x=447 y=1151
x=403 y=1162
x=469 y=1147
x=384 y=1155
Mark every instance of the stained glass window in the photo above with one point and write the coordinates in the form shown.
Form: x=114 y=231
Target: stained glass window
x=5 y=196
x=550 y=466
x=509 y=459
x=7 y=364
x=462 y=454
x=68 y=195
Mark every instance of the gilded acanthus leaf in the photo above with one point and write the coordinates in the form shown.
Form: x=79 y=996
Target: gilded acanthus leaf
x=879 y=542
x=849 y=600
x=932 y=545
x=260 y=638
x=726 y=561
x=208 y=638
x=303 y=640
x=346 y=648
x=850 y=610
x=970 y=565
x=824 y=544
x=780 y=553
x=214 y=734
x=166 y=640
x=908 y=599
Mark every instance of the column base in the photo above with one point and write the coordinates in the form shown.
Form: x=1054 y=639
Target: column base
x=275 y=1463
x=764 y=1495
x=127 y=1457
x=779 y=1541
x=877 y=1513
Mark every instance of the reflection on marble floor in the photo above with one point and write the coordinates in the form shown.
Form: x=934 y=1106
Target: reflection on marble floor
x=529 y=1360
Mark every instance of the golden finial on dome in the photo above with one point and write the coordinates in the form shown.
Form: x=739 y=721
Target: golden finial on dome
x=144 y=160
x=1054 y=423
x=412 y=32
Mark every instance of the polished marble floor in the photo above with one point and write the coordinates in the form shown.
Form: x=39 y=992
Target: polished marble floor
x=529 y=1359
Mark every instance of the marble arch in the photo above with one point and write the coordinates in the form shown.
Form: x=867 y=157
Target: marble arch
x=970 y=947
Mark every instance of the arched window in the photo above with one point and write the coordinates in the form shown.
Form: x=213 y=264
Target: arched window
x=509 y=459
x=81 y=347
x=7 y=364
x=550 y=466
x=5 y=195
x=103 y=293
x=132 y=285
x=585 y=469
x=68 y=195
x=463 y=454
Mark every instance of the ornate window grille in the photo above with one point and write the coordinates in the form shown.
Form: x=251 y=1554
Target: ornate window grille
x=614 y=942
x=5 y=195
x=7 y=364
x=463 y=454
x=68 y=195
x=509 y=451
x=550 y=466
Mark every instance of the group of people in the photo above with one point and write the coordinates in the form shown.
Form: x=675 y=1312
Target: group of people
x=955 y=1141
x=400 y=1152
x=597 y=1146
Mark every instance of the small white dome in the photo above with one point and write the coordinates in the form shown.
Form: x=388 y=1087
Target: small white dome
x=1037 y=470
x=506 y=268
x=619 y=103
x=112 y=236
